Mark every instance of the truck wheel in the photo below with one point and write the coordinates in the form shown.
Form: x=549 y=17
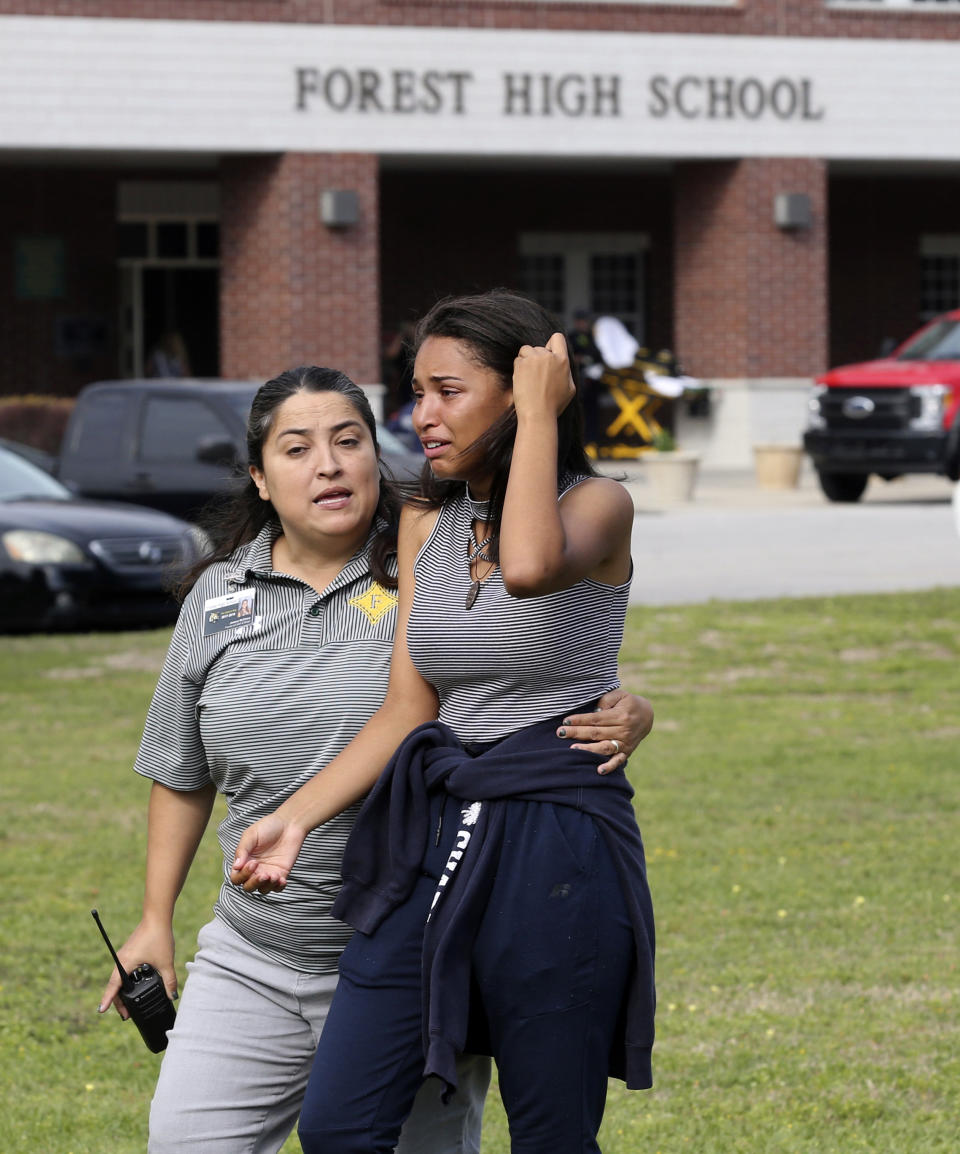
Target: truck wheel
x=843 y=486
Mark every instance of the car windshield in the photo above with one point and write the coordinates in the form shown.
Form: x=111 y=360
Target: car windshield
x=940 y=342
x=20 y=479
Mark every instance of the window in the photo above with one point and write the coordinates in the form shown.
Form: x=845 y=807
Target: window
x=939 y=275
x=208 y=239
x=542 y=277
x=600 y=272
x=134 y=239
x=174 y=426
x=169 y=241
x=615 y=283
x=173 y=239
x=102 y=430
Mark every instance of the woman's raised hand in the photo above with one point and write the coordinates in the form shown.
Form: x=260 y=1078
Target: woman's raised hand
x=542 y=380
x=266 y=854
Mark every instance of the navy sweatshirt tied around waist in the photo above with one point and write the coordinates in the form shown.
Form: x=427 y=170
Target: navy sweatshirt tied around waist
x=381 y=866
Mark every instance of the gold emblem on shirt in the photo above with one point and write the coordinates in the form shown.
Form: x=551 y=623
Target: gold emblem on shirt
x=374 y=602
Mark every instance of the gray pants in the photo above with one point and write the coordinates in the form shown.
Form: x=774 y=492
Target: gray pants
x=238 y=1059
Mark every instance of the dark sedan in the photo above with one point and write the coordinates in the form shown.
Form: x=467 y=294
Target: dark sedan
x=67 y=562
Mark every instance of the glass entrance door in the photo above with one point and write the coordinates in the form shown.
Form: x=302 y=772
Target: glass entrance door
x=602 y=273
x=169 y=285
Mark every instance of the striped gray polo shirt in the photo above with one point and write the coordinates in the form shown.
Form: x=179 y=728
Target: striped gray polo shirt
x=507 y=662
x=265 y=681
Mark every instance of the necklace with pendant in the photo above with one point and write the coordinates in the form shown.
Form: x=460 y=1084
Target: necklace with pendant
x=476 y=554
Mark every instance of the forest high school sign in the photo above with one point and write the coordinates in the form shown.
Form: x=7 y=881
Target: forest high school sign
x=160 y=85
x=403 y=91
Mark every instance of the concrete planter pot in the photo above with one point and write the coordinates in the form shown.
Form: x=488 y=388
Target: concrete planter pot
x=777 y=466
x=671 y=476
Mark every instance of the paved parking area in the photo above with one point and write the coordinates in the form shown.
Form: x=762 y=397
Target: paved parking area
x=735 y=541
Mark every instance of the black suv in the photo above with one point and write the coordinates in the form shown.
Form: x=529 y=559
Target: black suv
x=171 y=444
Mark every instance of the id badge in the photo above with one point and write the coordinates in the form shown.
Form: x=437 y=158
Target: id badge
x=231 y=611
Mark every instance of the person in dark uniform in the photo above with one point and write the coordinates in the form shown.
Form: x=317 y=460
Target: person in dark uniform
x=589 y=361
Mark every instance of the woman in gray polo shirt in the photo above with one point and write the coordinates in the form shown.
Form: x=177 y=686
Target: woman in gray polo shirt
x=280 y=655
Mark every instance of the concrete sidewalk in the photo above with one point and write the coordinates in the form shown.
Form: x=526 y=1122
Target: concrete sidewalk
x=736 y=541
x=738 y=489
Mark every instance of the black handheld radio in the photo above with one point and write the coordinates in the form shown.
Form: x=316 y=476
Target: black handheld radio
x=145 y=997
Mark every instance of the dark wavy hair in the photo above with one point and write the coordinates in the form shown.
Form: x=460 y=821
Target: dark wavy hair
x=237 y=519
x=493 y=326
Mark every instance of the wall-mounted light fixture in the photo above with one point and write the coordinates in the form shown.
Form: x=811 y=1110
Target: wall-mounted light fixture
x=339 y=207
x=791 y=211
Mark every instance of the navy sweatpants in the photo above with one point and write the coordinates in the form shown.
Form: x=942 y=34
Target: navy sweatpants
x=551 y=964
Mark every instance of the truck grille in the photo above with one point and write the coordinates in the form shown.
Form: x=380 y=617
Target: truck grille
x=138 y=553
x=892 y=408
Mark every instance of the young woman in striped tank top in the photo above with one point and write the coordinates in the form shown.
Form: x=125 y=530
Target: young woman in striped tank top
x=496 y=878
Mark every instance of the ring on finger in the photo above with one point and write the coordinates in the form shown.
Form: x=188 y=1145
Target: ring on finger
x=615 y=744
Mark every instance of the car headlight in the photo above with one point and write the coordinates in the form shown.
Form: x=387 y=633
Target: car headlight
x=930 y=400
x=815 y=417
x=38 y=548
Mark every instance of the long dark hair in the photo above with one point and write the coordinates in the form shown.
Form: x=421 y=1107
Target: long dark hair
x=237 y=519
x=494 y=326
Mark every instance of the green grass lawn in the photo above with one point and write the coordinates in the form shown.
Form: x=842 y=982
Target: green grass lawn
x=799 y=802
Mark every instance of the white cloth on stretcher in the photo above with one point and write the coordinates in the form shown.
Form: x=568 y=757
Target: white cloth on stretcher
x=617 y=345
x=619 y=348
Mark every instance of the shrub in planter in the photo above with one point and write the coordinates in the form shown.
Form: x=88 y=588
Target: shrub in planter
x=671 y=473
x=35 y=420
x=663 y=441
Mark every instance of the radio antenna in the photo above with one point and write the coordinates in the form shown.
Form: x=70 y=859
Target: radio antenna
x=113 y=953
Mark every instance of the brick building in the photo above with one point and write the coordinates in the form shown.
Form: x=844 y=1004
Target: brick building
x=764 y=186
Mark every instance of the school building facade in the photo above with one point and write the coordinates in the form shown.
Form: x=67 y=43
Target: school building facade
x=767 y=187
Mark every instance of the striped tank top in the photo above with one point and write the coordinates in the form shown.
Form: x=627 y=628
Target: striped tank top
x=507 y=662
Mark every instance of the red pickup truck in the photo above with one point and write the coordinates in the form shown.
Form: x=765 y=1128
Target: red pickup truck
x=892 y=416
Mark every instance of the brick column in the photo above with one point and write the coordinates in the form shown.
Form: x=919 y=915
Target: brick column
x=294 y=291
x=750 y=299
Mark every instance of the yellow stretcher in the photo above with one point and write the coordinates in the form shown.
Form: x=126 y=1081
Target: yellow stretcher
x=632 y=404
x=629 y=426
